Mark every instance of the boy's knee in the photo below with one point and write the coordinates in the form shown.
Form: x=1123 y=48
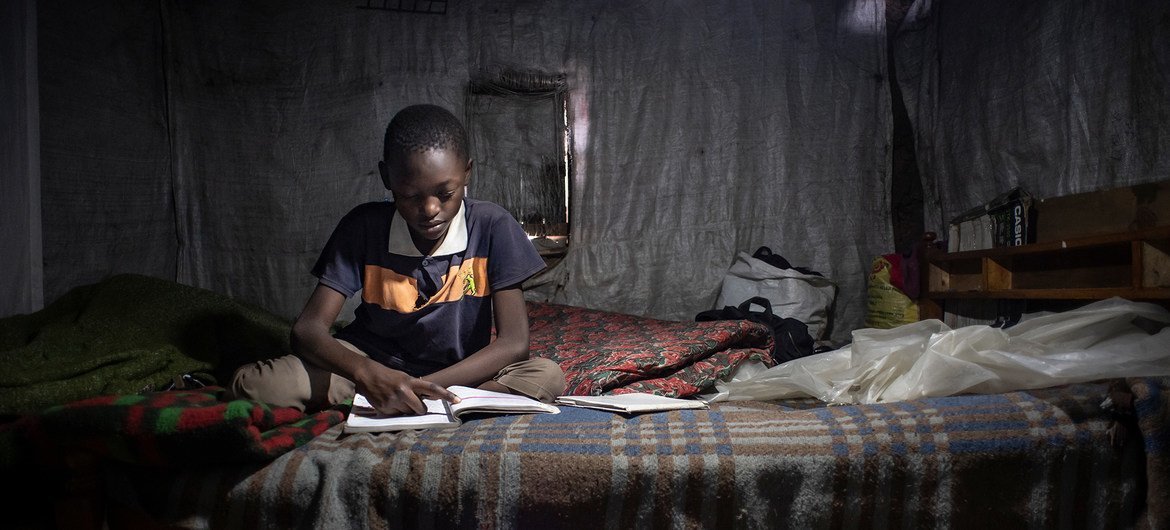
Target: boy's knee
x=538 y=378
x=281 y=382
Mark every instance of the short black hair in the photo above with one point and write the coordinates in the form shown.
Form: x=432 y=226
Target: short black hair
x=419 y=128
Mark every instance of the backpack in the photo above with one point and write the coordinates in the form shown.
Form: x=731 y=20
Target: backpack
x=790 y=338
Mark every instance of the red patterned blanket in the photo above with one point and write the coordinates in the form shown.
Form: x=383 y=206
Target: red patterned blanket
x=612 y=353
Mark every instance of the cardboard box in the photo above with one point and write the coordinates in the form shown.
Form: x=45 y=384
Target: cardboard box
x=1008 y=220
x=1103 y=212
x=1013 y=220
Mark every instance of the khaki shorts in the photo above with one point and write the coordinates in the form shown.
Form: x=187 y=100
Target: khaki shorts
x=289 y=381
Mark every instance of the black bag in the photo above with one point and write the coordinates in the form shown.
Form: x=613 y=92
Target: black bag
x=765 y=255
x=790 y=336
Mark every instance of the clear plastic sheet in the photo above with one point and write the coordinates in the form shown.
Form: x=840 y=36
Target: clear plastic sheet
x=1105 y=339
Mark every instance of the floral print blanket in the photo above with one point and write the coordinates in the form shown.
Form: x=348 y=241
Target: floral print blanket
x=612 y=353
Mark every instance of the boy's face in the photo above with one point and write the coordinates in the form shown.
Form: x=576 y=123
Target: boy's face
x=428 y=190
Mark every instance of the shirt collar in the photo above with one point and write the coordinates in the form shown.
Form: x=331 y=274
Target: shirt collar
x=454 y=241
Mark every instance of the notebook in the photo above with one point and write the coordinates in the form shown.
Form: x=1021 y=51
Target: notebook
x=441 y=414
x=631 y=403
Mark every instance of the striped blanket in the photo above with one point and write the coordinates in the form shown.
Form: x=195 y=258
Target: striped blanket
x=1037 y=458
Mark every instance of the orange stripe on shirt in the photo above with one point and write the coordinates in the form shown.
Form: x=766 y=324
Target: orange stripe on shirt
x=396 y=292
x=469 y=278
x=389 y=290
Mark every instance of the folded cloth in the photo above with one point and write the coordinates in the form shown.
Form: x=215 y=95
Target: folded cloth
x=125 y=335
x=164 y=429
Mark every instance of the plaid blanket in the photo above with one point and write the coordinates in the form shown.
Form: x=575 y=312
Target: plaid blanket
x=1038 y=458
x=1152 y=408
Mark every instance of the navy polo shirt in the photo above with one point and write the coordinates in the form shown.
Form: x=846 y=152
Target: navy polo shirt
x=420 y=314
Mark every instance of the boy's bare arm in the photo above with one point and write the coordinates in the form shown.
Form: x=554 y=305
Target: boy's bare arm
x=388 y=390
x=510 y=345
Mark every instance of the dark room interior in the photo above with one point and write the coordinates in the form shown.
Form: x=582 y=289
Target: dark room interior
x=970 y=202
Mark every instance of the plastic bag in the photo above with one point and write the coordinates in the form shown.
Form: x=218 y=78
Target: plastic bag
x=793 y=294
x=888 y=306
x=1102 y=340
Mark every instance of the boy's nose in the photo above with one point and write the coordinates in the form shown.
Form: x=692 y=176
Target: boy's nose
x=431 y=207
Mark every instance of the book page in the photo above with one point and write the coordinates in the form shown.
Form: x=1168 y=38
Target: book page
x=434 y=406
x=636 y=402
x=363 y=417
x=477 y=400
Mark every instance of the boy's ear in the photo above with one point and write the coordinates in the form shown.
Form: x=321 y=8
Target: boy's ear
x=467 y=172
x=385 y=174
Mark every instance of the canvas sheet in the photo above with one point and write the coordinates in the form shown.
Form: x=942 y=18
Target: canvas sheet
x=1056 y=97
x=219 y=144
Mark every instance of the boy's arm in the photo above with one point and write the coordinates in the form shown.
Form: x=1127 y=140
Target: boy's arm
x=510 y=345
x=389 y=391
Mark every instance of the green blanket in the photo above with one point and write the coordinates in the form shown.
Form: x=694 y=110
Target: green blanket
x=125 y=335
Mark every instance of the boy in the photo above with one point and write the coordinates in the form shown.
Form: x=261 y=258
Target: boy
x=433 y=269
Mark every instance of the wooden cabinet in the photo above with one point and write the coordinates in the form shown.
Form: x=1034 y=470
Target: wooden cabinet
x=1134 y=265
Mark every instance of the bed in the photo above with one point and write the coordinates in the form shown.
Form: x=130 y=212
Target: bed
x=189 y=458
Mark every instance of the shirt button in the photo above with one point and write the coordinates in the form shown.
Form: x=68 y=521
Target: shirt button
x=426 y=261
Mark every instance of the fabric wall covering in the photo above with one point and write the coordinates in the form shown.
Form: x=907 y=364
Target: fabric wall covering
x=1056 y=97
x=22 y=288
x=218 y=143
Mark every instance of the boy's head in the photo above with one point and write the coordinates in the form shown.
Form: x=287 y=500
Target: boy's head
x=426 y=166
x=422 y=127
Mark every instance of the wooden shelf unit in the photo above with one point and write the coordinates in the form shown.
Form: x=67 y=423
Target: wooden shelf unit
x=1134 y=265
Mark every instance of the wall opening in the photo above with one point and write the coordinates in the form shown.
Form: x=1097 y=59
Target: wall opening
x=518 y=123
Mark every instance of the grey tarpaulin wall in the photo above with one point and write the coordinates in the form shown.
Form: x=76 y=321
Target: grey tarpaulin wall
x=219 y=143
x=1057 y=97
x=21 y=283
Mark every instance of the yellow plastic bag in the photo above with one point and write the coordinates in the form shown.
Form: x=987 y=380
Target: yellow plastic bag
x=888 y=307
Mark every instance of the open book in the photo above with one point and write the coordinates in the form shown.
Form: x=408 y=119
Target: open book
x=363 y=417
x=631 y=403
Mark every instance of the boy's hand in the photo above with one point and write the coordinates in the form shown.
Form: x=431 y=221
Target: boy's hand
x=393 y=392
